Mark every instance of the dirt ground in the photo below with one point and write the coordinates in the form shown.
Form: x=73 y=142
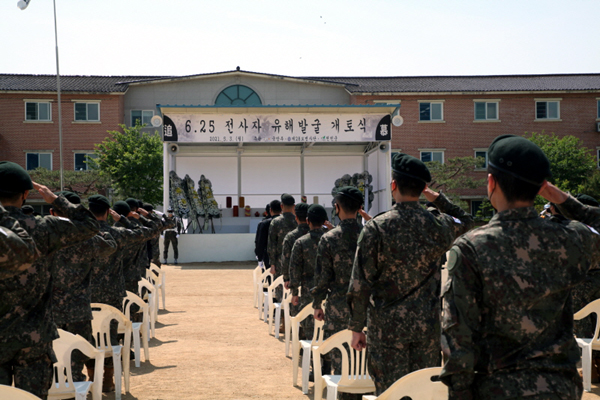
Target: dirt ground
x=210 y=343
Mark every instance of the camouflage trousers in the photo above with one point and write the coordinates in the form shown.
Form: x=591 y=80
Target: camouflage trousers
x=78 y=359
x=31 y=367
x=308 y=325
x=388 y=362
x=529 y=385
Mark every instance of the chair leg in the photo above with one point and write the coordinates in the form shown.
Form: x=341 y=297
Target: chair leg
x=136 y=343
x=586 y=364
x=117 y=370
x=144 y=332
x=305 y=369
x=162 y=290
x=331 y=392
x=266 y=308
x=295 y=356
x=277 y=321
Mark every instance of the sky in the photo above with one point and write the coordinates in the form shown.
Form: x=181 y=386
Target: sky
x=302 y=38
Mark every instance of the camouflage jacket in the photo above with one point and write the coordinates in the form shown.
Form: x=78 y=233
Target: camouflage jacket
x=507 y=304
x=135 y=258
x=393 y=275
x=302 y=263
x=71 y=270
x=335 y=257
x=107 y=281
x=288 y=243
x=17 y=248
x=280 y=226
x=25 y=307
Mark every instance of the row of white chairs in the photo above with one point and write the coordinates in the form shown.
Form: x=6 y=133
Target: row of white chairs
x=356 y=379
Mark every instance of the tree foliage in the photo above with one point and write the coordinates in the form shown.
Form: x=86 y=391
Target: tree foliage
x=83 y=183
x=133 y=161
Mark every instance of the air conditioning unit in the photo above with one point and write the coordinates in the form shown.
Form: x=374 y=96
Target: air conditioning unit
x=597 y=126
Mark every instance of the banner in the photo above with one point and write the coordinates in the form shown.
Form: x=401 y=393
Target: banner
x=280 y=128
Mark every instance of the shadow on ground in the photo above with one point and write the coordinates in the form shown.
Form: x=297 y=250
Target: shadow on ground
x=229 y=265
x=154 y=342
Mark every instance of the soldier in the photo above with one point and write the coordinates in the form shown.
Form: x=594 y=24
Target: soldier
x=26 y=326
x=262 y=234
x=17 y=248
x=302 y=263
x=395 y=276
x=279 y=227
x=335 y=257
x=153 y=244
x=507 y=315
x=71 y=272
x=171 y=236
x=302 y=229
x=107 y=280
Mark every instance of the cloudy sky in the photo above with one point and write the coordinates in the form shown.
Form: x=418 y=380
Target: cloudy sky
x=302 y=38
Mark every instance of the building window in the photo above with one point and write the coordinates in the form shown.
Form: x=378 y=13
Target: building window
x=598 y=157
x=486 y=110
x=481 y=157
x=238 y=95
x=87 y=111
x=547 y=110
x=39 y=160
x=431 y=155
x=81 y=161
x=598 y=109
x=35 y=111
x=430 y=111
x=143 y=116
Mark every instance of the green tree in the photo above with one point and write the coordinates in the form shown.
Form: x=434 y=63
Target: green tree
x=83 y=183
x=133 y=161
x=453 y=176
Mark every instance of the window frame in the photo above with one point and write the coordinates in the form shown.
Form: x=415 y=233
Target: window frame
x=87 y=103
x=597 y=108
x=486 y=102
x=36 y=152
x=546 y=119
x=481 y=150
x=598 y=156
x=142 y=117
x=77 y=152
x=430 y=102
x=38 y=102
x=442 y=151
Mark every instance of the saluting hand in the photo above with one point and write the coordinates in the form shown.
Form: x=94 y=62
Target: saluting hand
x=134 y=215
x=429 y=194
x=364 y=214
x=143 y=212
x=552 y=193
x=46 y=193
x=328 y=225
x=115 y=215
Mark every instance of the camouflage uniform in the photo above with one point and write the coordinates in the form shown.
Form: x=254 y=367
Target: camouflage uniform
x=71 y=270
x=508 y=319
x=396 y=276
x=171 y=239
x=26 y=326
x=302 y=271
x=286 y=254
x=280 y=226
x=17 y=248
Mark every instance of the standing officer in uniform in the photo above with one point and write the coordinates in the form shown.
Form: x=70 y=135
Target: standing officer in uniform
x=280 y=227
x=395 y=276
x=26 y=326
x=335 y=257
x=507 y=315
x=171 y=236
x=17 y=248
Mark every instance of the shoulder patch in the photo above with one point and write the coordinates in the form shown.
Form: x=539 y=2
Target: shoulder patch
x=454 y=258
x=593 y=230
x=458 y=221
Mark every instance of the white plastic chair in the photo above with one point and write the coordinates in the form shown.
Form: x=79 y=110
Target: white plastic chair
x=588 y=344
x=262 y=287
x=63 y=386
x=298 y=344
x=157 y=276
x=287 y=301
x=150 y=298
x=354 y=379
x=417 y=385
x=102 y=315
x=139 y=329
x=13 y=393
x=280 y=308
x=255 y=277
x=271 y=299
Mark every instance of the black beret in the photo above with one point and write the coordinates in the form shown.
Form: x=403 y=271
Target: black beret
x=140 y=204
x=170 y=209
x=268 y=207
x=13 y=178
x=133 y=203
x=27 y=209
x=287 y=199
x=410 y=166
x=148 y=207
x=72 y=197
x=301 y=209
x=100 y=201
x=122 y=208
x=317 y=211
x=587 y=200
x=520 y=158
x=352 y=193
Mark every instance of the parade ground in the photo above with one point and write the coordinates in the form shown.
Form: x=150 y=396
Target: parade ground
x=210 y=343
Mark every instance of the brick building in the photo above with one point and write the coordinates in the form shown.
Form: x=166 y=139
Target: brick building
x=444 y=117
